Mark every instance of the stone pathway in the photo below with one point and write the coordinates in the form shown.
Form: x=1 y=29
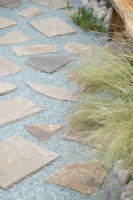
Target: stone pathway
x=38 y=43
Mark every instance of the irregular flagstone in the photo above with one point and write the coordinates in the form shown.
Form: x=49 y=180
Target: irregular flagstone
x=7 y=68
x=15 y=36
x=6 y=88
x=35 y=49
x=17 y=108
x=57 y=4
x=75 y=48
x=53 y=92
x=20 y=158
x=84 y=177
x=4 y=22
x=48 y=64
x=42 y=131
x=30 y=12
x=81 y=138
x=10 y=3
x=52 y=27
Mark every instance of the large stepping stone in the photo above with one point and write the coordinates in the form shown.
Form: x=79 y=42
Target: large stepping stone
x=6 y=88
x=35 y=49
x=17 y=108
x=42 y=131
x=76 y=47
x=4 y=22
x=84 y=177
x=20 y=158
x=48 y=64
x=8 y=68
x=53 y=92
x=57 y=4
x=52 y=27
x=15 y=36
x=10 y=3
x=30 y=12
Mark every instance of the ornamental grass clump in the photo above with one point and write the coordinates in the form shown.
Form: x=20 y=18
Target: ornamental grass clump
x=106 y=84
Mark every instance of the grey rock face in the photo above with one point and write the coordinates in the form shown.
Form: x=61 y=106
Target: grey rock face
x=127 y=195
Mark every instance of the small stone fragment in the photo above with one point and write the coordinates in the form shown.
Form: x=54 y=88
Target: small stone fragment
x=53 y=92
x=10 y=3
x=56 y=4
x=6 y=88
x=127 y=195
x=17 y=108
x=48 y=64
x=84 y=177
x=4 y=22
x=124 y=177
x=15 y=36
x=42 y=131
x=35 y=49
x=30 y=12
x=129 y=186
x=7 y=68
x=52 y=27
x=77 y=48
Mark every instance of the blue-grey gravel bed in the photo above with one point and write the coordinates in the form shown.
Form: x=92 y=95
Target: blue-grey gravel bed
x=54 y=111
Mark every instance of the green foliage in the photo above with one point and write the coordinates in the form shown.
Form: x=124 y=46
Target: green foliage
x=106 y=80
x=86 y=20
x=108 y=3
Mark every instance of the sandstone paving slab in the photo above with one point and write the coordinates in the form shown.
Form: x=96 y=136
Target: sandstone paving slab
x=42 y=131
x=34 y=49
x=52 y=27
x=56 y=4
x=4 y=22
x=30 y=12
x=76 y=47
x=10 y=3
x=8 y=68
x=53 y=92
x=6 y=88
x=48 y=64
x=16 y=108
x=84 y=177
x=20 y=158
x=15 y=36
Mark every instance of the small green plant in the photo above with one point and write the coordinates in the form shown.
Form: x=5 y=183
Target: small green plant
x=86 y=20
x=108 y=3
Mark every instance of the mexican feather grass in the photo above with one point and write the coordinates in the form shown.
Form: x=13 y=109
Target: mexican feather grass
x=106 y=84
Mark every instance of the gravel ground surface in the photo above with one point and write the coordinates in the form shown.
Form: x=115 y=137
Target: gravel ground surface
x=34 y=187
